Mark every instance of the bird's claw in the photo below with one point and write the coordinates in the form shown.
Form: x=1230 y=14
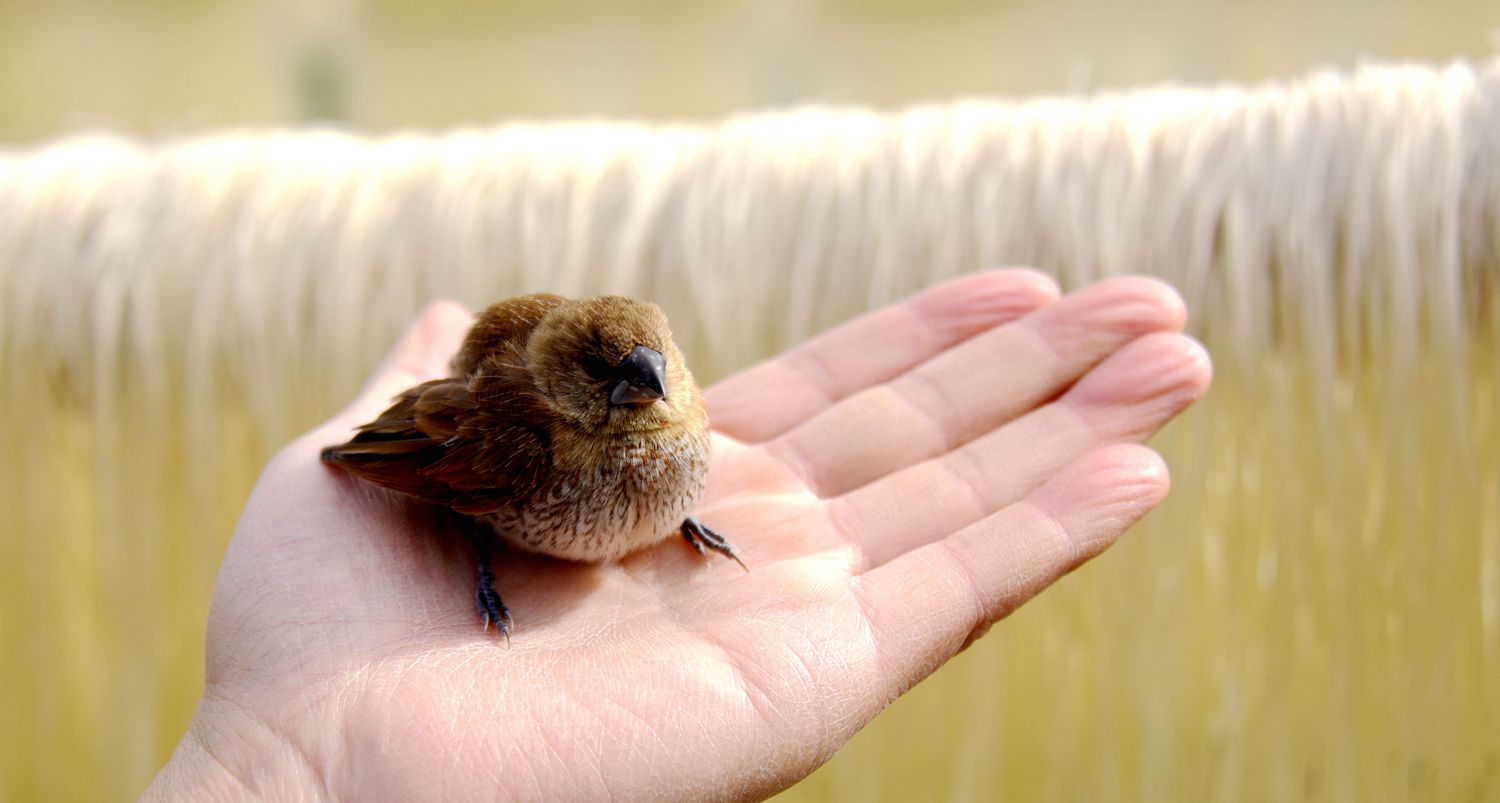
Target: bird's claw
x=491 y=608
x=703 y=538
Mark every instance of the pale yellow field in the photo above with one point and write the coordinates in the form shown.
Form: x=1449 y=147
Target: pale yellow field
x=1314 y=614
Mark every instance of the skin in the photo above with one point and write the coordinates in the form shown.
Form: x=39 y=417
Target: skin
x=344 y=661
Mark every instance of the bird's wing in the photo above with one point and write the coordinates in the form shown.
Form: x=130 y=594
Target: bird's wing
x=502 y=326
x=472 y=444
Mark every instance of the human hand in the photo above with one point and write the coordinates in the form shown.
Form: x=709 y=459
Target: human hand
x=895 y=486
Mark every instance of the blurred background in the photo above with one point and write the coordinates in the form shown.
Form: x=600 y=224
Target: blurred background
x=175 y=66
x=1314 y=614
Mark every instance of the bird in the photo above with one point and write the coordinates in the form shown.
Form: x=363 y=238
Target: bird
x=567 y=427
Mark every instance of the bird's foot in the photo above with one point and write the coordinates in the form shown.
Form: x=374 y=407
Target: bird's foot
x=491 y=608
x=702 y=538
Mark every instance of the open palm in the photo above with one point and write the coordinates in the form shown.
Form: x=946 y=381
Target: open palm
x=895 y=486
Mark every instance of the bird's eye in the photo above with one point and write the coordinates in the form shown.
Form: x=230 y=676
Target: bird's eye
x=596 y=368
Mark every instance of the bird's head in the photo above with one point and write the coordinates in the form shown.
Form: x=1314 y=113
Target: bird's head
x=609 y=363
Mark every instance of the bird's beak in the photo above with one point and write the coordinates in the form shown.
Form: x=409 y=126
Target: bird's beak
x=643 y=378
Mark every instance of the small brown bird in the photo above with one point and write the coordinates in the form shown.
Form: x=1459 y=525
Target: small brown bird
x=571 y=428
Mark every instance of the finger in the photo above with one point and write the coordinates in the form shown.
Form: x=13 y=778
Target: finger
x=421 y=354
x=767 y=399
x=975 y=386
x=927 y=605
x=1127 y=398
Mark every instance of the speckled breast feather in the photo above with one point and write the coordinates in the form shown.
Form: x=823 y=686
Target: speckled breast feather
x=633 y=497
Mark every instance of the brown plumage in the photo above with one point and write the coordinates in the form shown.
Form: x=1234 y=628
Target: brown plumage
x=571 y=428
